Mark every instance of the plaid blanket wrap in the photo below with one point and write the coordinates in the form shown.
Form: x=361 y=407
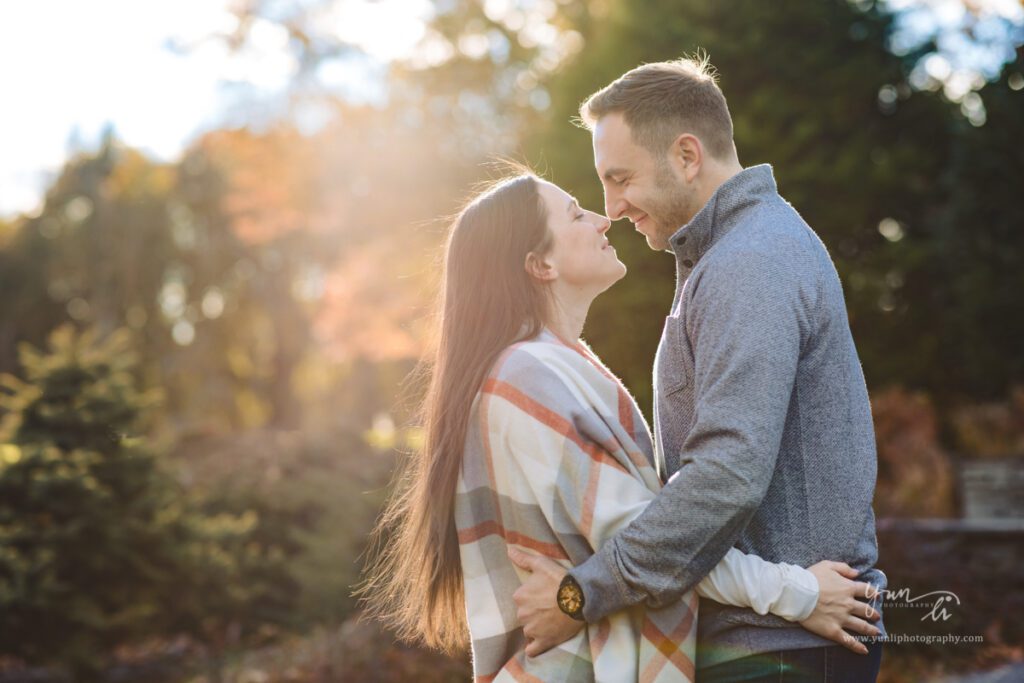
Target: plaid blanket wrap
x=552 y=433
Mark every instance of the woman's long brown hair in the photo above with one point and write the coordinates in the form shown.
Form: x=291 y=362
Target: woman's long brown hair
x=488 y=301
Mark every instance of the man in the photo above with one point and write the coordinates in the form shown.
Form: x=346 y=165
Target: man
x=762 y=420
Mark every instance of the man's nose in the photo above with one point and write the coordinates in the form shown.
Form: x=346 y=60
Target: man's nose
x=614 y=206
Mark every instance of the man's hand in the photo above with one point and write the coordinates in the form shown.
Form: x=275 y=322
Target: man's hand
x=838 y=606
x=544 y=625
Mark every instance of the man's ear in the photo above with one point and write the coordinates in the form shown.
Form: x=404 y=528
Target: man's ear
x=539 y=268
x=686 y=155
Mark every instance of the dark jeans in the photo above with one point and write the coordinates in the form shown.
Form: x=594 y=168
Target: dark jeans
x=833 y=664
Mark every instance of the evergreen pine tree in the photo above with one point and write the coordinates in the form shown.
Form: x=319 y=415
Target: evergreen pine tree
x=96 y=543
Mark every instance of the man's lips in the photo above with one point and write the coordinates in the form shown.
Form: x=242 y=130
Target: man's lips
x=638 y=221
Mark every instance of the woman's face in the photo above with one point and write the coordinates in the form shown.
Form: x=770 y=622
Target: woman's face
x=581 y=257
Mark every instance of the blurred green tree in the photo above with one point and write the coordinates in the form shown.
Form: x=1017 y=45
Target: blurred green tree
x=98 y=545
x=126 y=241
x=969 y=278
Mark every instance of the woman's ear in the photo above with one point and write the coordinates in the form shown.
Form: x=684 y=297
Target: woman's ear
x=539 y=268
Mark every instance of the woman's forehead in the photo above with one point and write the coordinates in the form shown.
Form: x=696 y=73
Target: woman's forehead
x=553 y=194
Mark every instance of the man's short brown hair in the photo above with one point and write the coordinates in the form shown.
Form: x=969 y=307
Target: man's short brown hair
x=663 y=100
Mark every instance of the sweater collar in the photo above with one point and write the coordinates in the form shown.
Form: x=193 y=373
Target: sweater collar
x=727 y=205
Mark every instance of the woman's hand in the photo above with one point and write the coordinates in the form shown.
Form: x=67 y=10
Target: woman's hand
x=544 y=625
x=839 y=606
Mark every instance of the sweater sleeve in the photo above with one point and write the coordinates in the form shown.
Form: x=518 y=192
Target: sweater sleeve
x=532 y=421
x=744 y=320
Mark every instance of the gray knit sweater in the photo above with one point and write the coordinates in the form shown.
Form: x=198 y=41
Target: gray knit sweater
x=762 y=422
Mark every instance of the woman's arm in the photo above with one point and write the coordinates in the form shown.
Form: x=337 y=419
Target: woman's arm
x=819 y=598
x=743 y=580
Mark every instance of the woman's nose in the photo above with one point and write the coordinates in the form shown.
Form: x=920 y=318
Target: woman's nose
x=604 y=223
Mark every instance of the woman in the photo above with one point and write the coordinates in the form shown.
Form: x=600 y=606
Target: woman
x=531 y=443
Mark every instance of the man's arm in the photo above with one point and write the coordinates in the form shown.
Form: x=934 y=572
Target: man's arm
x=745 y=323
x=837 y=610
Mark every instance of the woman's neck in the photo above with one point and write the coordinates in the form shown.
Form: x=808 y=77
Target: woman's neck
x=569 y=313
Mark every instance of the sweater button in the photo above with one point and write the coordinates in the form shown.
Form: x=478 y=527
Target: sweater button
x=688 y=263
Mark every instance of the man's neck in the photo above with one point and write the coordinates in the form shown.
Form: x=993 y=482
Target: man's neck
x=718 y=173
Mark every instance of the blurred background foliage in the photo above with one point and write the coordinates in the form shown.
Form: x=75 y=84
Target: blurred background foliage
x=205 y=359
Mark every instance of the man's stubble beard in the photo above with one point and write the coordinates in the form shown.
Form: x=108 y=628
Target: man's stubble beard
x=674 y=207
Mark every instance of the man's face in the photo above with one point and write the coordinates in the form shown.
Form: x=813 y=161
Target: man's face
x=639 y=186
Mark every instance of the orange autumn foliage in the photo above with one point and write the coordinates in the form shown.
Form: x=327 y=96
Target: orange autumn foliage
x=915 y=474
x=271 y=188
x=366 y=314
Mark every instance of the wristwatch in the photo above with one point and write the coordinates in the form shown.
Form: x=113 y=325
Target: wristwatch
x=570 y=597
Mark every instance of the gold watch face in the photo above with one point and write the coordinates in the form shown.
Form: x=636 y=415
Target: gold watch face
x=569 y=599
